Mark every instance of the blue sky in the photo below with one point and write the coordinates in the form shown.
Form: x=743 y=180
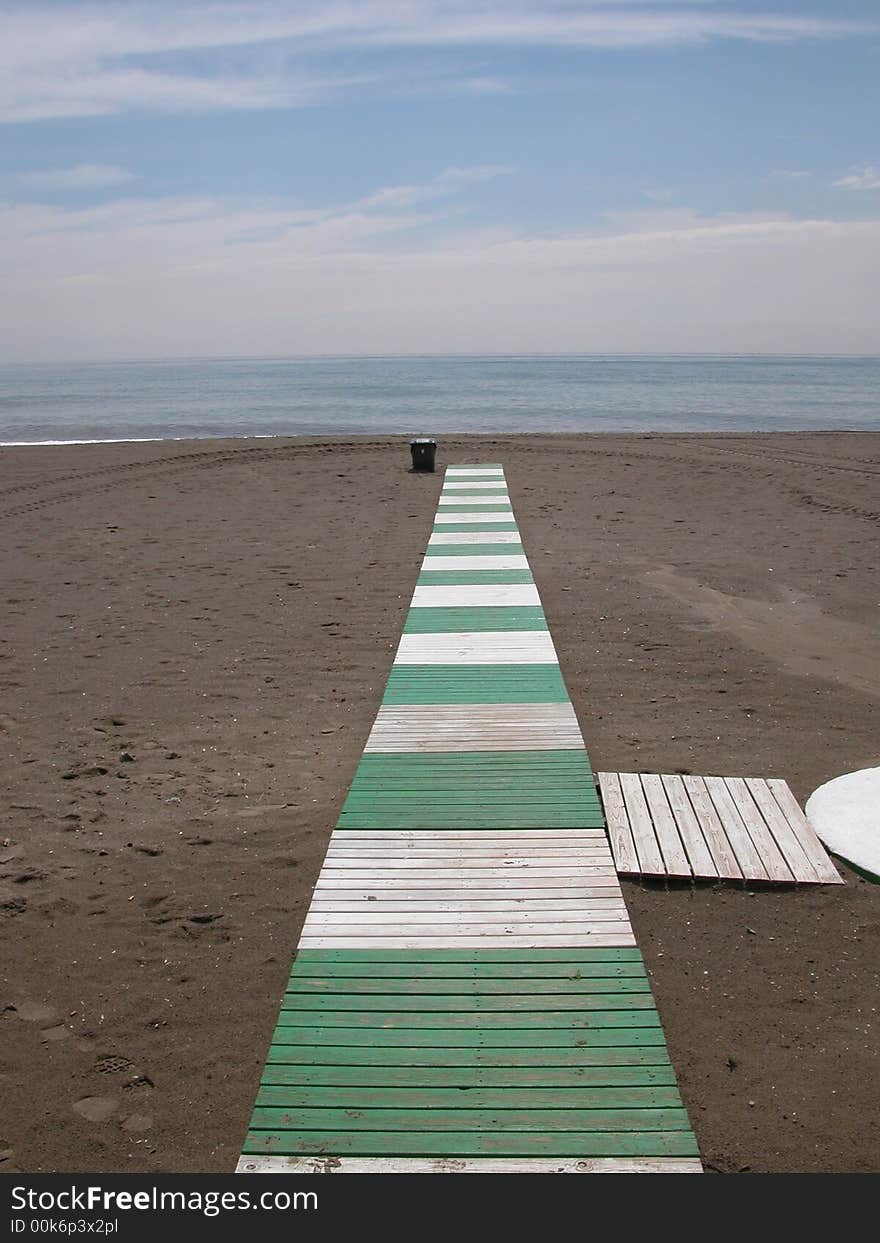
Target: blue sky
x=389 y=177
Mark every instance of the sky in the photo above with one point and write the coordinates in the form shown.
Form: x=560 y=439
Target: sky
x=277 y=178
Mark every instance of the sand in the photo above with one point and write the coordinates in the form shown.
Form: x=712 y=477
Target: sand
x=195 y=640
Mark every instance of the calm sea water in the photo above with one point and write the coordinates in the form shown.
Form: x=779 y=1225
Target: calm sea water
x=433 y=395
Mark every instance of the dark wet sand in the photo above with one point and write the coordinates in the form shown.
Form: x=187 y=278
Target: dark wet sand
x=194 y=644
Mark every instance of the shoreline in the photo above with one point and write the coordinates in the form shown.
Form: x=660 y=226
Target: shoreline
x=224 y=613
x=393 y=437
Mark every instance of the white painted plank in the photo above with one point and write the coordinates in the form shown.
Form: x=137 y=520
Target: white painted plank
x=763 y=840
x=451 y=894
x=468 y=1165
x=467 y=515
x=665 y=828
x=464 y=471
x=508 y=862
x=474 y=727
x=367 y=920
x=465 y=565
x=742 y=845
x=473 y=537
x=688 y=825
x=713 y=831
x=486 y=647
x=476 y=596
x=601 y=902
x=571 y=940
x=458 y=715
x=803 y=830
x=478 y=485
x=379 y=880
x=518 y=871
x=498 y=853
x=473 y=741
x=647 y=849
x=467 y=835
x=795 y=855
x=622 y=844
x=471 y=497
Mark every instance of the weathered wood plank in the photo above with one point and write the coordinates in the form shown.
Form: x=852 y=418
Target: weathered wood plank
x=674 y=856
x=713 y=831
x=747 y=856
x=644 y=837
x=771 y=856
x=317 y=924
x=478 y=648
x=803 y=830
x=467 y=1165
x=698 y=853
x=484 y=941
x=795 y=855
x=619 y=831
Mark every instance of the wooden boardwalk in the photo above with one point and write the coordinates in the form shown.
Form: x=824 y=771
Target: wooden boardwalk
x=467 y=994
x=712 y=828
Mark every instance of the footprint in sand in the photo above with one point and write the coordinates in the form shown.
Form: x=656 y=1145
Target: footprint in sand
x=136 y=1124
x=96 y=1108
x=38 y=1012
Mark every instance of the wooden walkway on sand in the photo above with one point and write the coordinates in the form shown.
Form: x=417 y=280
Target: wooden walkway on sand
x=467 y=994
x=712 y=828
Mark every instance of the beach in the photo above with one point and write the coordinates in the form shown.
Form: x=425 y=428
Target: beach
x=196 y=639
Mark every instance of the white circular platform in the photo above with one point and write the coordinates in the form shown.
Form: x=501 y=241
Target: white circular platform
x=845 y=813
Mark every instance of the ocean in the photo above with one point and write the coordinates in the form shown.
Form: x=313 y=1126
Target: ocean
x=431 y=395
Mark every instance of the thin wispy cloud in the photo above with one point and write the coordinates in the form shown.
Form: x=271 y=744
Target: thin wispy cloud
x=353 y=279
x=80 y=177
x=864 y=177
x=88 y=59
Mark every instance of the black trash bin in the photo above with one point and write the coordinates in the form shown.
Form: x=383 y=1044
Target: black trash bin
x=423 y=450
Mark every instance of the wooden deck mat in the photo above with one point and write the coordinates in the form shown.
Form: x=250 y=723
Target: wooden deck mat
x=467 y=994
x=712 y=828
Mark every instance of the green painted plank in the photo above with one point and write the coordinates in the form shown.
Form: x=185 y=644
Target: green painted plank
x=423 y=684
x=492 y=974
x=424 y=988
x=559 y=1078
x=488 y=549
x=470 y=1038
x=536 y=789
x=484 y=1022
x=583 y=1144
x=550 y=1006
x=470 y=505
x=429 y=819
x=462 y=1119
x=493 y=618
x=481 y=957
x=447 y=528
x=398 y=1097
x=598 y=1055
x=473 y=578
